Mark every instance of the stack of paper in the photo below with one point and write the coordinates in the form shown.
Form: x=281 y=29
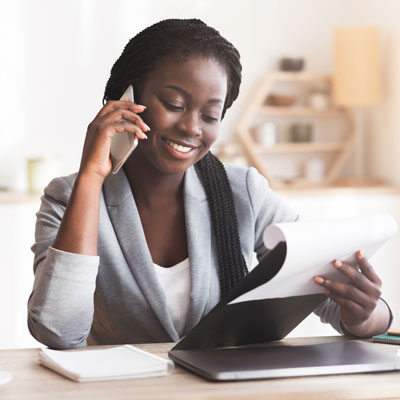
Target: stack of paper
x=123 y=362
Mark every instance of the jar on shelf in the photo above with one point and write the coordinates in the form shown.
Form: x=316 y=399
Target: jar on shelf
x=319 y=98
x=40 y=171
x=300 y=132
x=314 y=169
x=266 y=134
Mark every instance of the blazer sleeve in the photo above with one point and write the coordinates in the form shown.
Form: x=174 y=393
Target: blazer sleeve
x=61 y=305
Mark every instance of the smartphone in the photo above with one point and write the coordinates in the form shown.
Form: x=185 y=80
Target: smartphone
x=122 y=143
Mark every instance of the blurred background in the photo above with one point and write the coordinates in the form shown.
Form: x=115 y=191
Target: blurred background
x=317 y=113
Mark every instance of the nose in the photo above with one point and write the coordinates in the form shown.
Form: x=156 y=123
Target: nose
x=190 y=124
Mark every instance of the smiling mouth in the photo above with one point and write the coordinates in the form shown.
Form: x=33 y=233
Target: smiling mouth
x=178 y=147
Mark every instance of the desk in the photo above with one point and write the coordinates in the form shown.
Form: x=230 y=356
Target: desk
x=32 y=381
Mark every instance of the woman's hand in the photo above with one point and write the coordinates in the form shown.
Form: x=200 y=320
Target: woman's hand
x=114 y=117
x=362 y=313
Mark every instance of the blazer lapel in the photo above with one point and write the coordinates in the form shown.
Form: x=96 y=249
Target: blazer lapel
x=129 y=230
x=199 y=237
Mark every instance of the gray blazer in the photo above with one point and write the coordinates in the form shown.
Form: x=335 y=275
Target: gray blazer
x=115 y=297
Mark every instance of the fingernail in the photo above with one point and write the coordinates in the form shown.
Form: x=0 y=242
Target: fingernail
x=138 y=108
x=319 y=280
x=337 y=263
x=146 y=127
x=360 y=254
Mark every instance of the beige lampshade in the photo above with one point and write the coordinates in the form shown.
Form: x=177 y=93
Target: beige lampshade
x=356 y=75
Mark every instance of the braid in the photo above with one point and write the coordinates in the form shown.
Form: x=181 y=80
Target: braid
x=186 y=37
x=232 y=266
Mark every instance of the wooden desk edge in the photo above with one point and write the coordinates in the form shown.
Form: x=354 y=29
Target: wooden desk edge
x=34 y=382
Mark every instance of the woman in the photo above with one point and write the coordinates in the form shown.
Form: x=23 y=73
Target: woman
x=143 y=255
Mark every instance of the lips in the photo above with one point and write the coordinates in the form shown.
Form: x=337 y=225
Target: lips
x=180 y=150
x=178 y=147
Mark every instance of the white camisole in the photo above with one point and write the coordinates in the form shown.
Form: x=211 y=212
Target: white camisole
x=175 y=281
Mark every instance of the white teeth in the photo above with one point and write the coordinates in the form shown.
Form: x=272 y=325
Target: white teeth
x=182 y=149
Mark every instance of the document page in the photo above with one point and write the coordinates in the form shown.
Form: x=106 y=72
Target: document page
x=312 y=246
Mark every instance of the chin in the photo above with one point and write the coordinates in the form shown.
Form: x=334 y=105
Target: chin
x=174 y=169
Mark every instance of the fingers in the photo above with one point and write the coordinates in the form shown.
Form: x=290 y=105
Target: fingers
x=363 y=286
x=125 y=116
x=122 y=104
x=359 y=296
x=360 y=313
x=346 y=292
x=358 y=279
x=126 y=126
x=366 y=268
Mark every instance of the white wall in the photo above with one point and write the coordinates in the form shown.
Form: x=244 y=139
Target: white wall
x=384 y=120
x=16 y=273
x=56 y=57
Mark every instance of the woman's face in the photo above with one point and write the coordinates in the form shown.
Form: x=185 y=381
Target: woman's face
x=184 y=99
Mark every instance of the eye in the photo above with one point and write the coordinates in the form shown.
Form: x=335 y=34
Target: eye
x=172 y=107
x=209 y=119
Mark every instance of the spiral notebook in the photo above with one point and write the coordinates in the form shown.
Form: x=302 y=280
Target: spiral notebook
x=122 y=362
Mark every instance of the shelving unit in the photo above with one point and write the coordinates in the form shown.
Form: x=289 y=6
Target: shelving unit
x=332 y=149
x=298 y=111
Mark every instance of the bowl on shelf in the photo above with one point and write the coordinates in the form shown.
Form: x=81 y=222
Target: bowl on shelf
x=293 y=64
x=280 y=100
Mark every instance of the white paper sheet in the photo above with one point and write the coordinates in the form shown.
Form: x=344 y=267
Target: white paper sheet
x=311 y=248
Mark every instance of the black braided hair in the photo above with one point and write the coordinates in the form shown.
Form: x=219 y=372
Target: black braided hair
x=186 y=37
x=232 y=266
x=172 y=36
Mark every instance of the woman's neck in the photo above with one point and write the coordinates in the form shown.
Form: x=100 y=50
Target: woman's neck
x=150 y=187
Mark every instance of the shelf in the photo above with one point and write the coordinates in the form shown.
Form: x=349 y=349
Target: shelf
x=360 y=185
x=299 y=111
x=301 y=76
x=349 y=186
x=338 y=143
x=18 y=197
x=306 y=147
x=299 y=184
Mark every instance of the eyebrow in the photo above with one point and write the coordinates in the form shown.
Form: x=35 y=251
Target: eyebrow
x=185 y=93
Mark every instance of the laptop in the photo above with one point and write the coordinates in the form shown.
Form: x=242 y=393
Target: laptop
x=238 y=341
x=280 y=360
